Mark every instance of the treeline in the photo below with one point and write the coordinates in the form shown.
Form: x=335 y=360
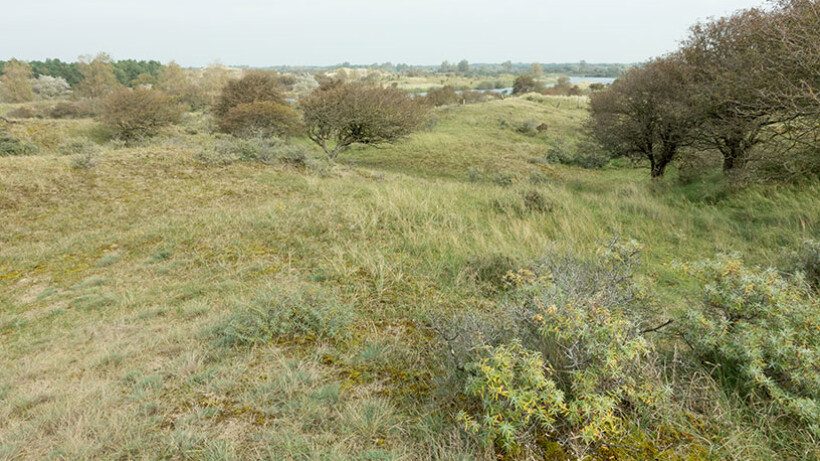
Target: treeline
x=128 y=72
x=580 y=69
x=744 y=87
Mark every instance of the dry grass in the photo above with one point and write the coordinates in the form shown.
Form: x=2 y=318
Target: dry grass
x=112 y=278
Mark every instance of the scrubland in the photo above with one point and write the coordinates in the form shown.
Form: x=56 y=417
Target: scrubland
x=159 y=304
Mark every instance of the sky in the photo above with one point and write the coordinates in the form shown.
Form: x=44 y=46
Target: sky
x=325 y=32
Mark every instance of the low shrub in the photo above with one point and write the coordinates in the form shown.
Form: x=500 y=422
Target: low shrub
x=11 y=145
x=268 y=150
x=303 y=313
x=529 y=127
x=761 y=330
x=262 y=118
x=570 y=338
x=73 y=109
x=138 y=113
x=23 y=112
x=514 y=396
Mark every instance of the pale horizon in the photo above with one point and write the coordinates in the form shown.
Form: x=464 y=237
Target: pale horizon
x=362 y=32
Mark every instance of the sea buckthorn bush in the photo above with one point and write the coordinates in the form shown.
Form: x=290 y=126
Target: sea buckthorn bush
x=762 y=329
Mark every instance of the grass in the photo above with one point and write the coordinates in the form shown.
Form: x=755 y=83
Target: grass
x=112 y=280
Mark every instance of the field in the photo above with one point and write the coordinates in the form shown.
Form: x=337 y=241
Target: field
x=117 y=283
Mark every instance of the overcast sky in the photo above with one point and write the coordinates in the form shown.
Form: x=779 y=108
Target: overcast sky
x=324 y=32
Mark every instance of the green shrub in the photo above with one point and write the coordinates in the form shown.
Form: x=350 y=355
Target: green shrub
x=579 y=321
x=303 y=313
x=763 y=332
x=270 y=151
x=11 y=145
x=530 y=127
x=513 y=396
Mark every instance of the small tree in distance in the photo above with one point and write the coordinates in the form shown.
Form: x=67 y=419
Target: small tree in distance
x=527 y=84
x=339 y=115
x=137 y=113
x=15 y=80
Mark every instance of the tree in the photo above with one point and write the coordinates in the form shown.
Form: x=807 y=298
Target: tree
x=47 y=87
x=527 y=84
x=140 y=112
x=337 y=116
x=255 y=105
x=790 y=66
x=644 y=114
x=724 y=56
x=463 y=66
x=507 y=67
x=536 y=70
x=252 y=87
x=98 y=76
x=15 y=82
x=173 y=80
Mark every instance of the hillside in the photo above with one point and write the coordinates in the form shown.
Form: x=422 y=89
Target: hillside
x=120 y=285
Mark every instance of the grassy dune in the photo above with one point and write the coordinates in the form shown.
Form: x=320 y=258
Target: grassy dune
x=115 y=282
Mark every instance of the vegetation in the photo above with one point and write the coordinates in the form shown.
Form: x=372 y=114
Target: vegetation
x=735 y=87
x=255 y=105
x=14 y=83
x=493 y=280
x=138 y=113
x=349 y=113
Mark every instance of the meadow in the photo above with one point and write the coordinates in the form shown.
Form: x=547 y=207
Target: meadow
x=126 y=289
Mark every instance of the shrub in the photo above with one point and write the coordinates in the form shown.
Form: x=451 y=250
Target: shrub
x=23 y=112
x=262 y=118
x=269 y=151
x=761 y=329
x=344 y=114
x=580 y=322
x=527 y=84
x=11 y=145
x=513 y=395
x=252 y=87
x=255 y=105
x=78 y=109
x=529 y=128
x=138 y=113
x=303 y=313
x=48 y=87
x=441 y=96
